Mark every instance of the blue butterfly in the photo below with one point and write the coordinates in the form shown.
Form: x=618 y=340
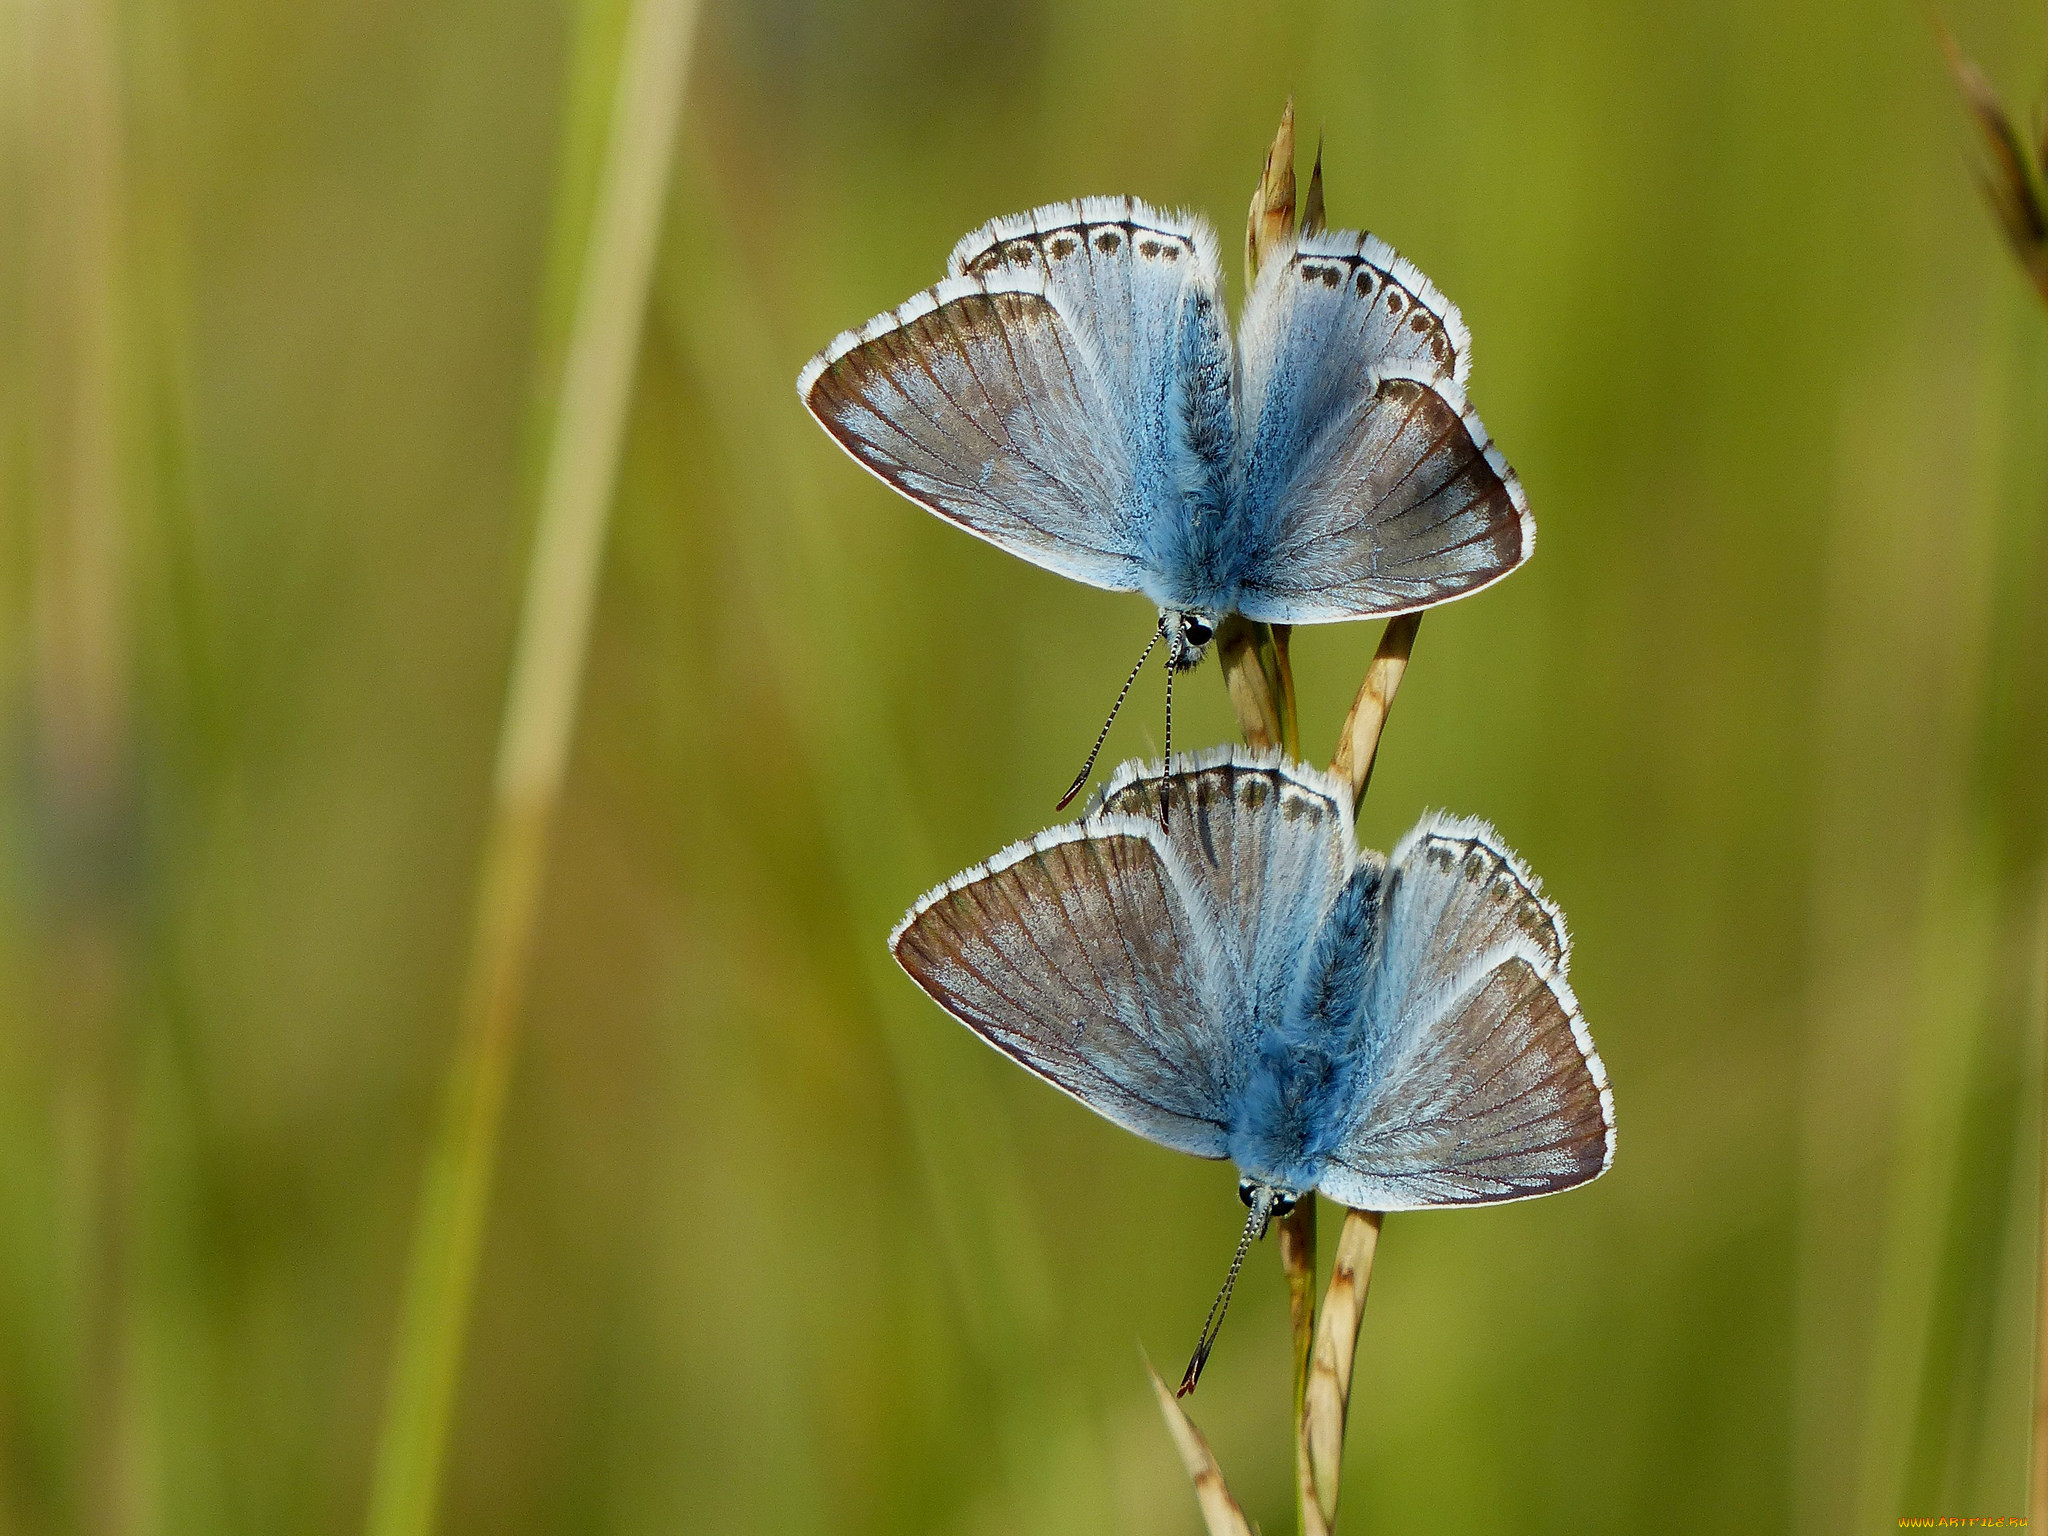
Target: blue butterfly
x=1394 y=1032
x=1070 y=393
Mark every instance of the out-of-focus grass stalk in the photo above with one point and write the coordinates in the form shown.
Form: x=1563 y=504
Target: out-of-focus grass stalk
x=83 y=786
x=2012 y=180
x=540 y=712
x=1220 y=1512
x=2037 y=1460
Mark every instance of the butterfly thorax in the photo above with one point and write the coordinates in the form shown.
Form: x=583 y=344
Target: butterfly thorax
x=1289 y=1118
x=1295 y=1100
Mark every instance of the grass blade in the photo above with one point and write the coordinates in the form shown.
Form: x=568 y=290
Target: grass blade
x=540 y=712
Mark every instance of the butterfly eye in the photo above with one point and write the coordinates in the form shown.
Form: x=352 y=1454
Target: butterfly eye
x=1246 y=1189
x=1196 y=631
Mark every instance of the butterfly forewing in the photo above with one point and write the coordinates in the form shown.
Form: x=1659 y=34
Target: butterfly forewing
x=1367 y=486
x=1051 y=393
x=1125 y=277
x=1478 y=1080
x=1266 y=844
x=1078 y=955
x=977 y=401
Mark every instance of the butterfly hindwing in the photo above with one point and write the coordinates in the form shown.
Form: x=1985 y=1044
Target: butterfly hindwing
x=1080 y=954
x=1477 y=1080
x=1367 y=485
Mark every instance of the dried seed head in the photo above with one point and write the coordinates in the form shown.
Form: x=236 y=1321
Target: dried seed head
x=1270 y=223
x=2011 y=184
x=1312 y=205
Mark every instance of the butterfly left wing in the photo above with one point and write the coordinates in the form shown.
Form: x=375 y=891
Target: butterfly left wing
x=1368 y=485
x=976 y=400
x=1079 y=954
x=1479 y=1082
x=1266 y=842
x=1060 y=394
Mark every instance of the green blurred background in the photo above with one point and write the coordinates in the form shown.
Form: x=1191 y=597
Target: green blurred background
x=775 y=1246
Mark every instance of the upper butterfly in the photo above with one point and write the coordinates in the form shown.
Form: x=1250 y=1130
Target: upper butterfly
x=1070 y=393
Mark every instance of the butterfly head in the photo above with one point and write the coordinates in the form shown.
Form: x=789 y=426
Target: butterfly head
x=1282 y=1202
x=1189 y=632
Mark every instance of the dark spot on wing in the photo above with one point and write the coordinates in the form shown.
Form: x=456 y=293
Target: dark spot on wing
x=1108 y=241
x=1393 y=300
x=1332 y=276
x=1440 y=347
x=1063 y=246
x=1419 y=321
x=1148 y=247
x=1021 y=253
x=1170 y=250
x=986 y=262
x=1365 y=282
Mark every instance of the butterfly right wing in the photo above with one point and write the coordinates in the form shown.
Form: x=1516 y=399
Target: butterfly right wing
x=1368 y=485
x=1079 y=954
x=1479 y=1082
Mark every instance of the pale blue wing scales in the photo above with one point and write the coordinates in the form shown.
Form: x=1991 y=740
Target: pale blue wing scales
x=1142 y=291
x=1266 y=843
x=977 y=401
x=1477 y=1081
x=1367 y=485
x=1079 y=955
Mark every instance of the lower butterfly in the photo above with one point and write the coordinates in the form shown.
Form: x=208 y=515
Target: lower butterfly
x=1393 y=1032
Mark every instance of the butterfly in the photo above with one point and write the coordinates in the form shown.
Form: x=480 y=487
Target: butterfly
x=1069 y=392
x=1395 y=1032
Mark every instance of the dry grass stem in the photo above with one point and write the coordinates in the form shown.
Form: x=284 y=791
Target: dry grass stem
x=1220 y=1512
x=1359 y=741
x=1260 y=678
x=1328 y=1397
x=1298 y=1263
x=540 y=712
